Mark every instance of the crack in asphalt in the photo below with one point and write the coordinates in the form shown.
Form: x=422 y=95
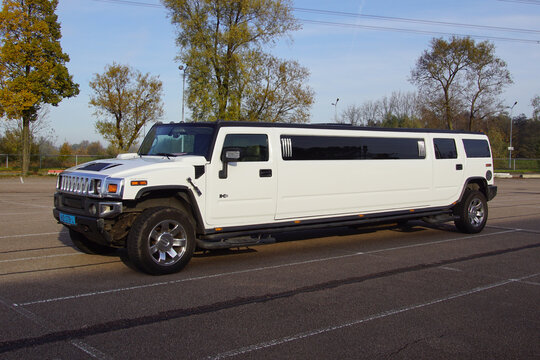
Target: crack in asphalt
x=412 y=343
x=123 y=324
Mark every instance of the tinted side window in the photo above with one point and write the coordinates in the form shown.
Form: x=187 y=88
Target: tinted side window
x=476 y=148
x=349 y=148
x=254 y=147
x=445 y=148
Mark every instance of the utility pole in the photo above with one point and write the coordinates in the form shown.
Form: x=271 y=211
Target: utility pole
x=335 y=109
x=183 y=69
x=510 y=148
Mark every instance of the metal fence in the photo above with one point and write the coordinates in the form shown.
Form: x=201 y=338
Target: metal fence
x=39 y=162
x=525 y=165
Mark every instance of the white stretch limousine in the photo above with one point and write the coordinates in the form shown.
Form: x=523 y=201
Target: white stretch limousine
x=230 y=184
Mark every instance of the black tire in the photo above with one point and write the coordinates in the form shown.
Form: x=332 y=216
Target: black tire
x=161 y=241
x=472 y=212
x=88 y=246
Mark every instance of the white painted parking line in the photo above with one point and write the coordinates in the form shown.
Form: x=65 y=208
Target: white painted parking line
x=530 y=283
x=29 y=235
x=47 y=326
x=172 y=282
x=450 y=269
x=137 y=287
x=509 y=228
x=40 y=257
x=37 y=193
x=26 y=204
x=22 y=213
x=442 y=241
x=304 y=335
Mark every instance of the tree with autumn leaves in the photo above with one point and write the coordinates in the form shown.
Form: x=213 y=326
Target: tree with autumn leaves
x=230 y=76
x=33 y=68
x=124 y=101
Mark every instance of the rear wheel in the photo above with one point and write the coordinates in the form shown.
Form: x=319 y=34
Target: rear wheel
x=87 y=246
x=472 y=212
x=161 y=241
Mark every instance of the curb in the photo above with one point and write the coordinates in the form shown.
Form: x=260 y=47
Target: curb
x=530 y=176
x=516 y=176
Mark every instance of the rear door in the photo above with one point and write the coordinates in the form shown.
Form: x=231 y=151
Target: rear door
x=448 y=170
x=247 y=194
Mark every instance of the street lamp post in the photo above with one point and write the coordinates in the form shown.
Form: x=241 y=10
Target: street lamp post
x=335 y=109
x=183 y=69
x=510 y=148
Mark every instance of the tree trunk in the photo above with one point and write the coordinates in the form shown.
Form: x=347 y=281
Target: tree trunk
x=447 y=110
x=25 y=145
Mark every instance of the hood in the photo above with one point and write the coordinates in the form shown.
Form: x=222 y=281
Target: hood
x=129 y=165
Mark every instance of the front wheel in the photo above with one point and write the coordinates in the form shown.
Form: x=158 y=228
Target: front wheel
x=472 y=212
x=161 y=241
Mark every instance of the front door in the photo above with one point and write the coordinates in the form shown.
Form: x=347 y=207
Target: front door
x=245 y=193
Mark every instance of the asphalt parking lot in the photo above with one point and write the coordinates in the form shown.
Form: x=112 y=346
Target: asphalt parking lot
x=384 y=292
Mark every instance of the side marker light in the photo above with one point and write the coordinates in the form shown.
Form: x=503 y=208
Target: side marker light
x=139 y=183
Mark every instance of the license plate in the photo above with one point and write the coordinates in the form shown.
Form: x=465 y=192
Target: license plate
x=67 y=219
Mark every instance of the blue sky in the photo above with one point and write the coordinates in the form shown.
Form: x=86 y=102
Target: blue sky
x=353 y=64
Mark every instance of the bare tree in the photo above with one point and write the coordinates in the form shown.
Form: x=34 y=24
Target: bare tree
x=40 y=131
x=459 y=76
x=438 y=72
x=487 y=75
x=275 y=91
x=373 y=113
x=535 y=102
x=351 y=115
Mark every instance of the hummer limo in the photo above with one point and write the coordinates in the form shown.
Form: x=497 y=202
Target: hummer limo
x=231 y=184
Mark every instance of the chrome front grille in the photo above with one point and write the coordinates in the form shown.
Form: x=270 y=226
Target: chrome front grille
x=80 y=184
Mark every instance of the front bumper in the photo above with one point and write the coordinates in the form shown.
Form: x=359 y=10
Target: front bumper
x=92 y=228
x=91 y=215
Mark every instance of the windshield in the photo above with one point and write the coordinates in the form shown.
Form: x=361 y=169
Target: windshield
x=176 y=140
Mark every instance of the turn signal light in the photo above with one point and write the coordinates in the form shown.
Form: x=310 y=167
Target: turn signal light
x=112 y=188
x=139 y=183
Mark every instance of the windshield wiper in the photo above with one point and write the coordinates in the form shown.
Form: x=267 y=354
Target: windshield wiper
x=168 y=155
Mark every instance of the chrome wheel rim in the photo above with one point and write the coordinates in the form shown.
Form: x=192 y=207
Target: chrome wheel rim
x=476 y=212
x=167 y=242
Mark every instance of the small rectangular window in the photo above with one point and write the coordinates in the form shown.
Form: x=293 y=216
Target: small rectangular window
x=476 y=148
x=445 y=148
x=253 y=147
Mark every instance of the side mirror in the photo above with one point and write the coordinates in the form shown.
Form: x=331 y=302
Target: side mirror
x=228 y=155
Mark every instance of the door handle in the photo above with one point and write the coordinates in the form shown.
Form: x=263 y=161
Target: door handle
x=459 y=166
x=265 y=173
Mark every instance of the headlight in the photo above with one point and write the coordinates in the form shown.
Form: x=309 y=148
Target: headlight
x=113 y=187
x=109 y=208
